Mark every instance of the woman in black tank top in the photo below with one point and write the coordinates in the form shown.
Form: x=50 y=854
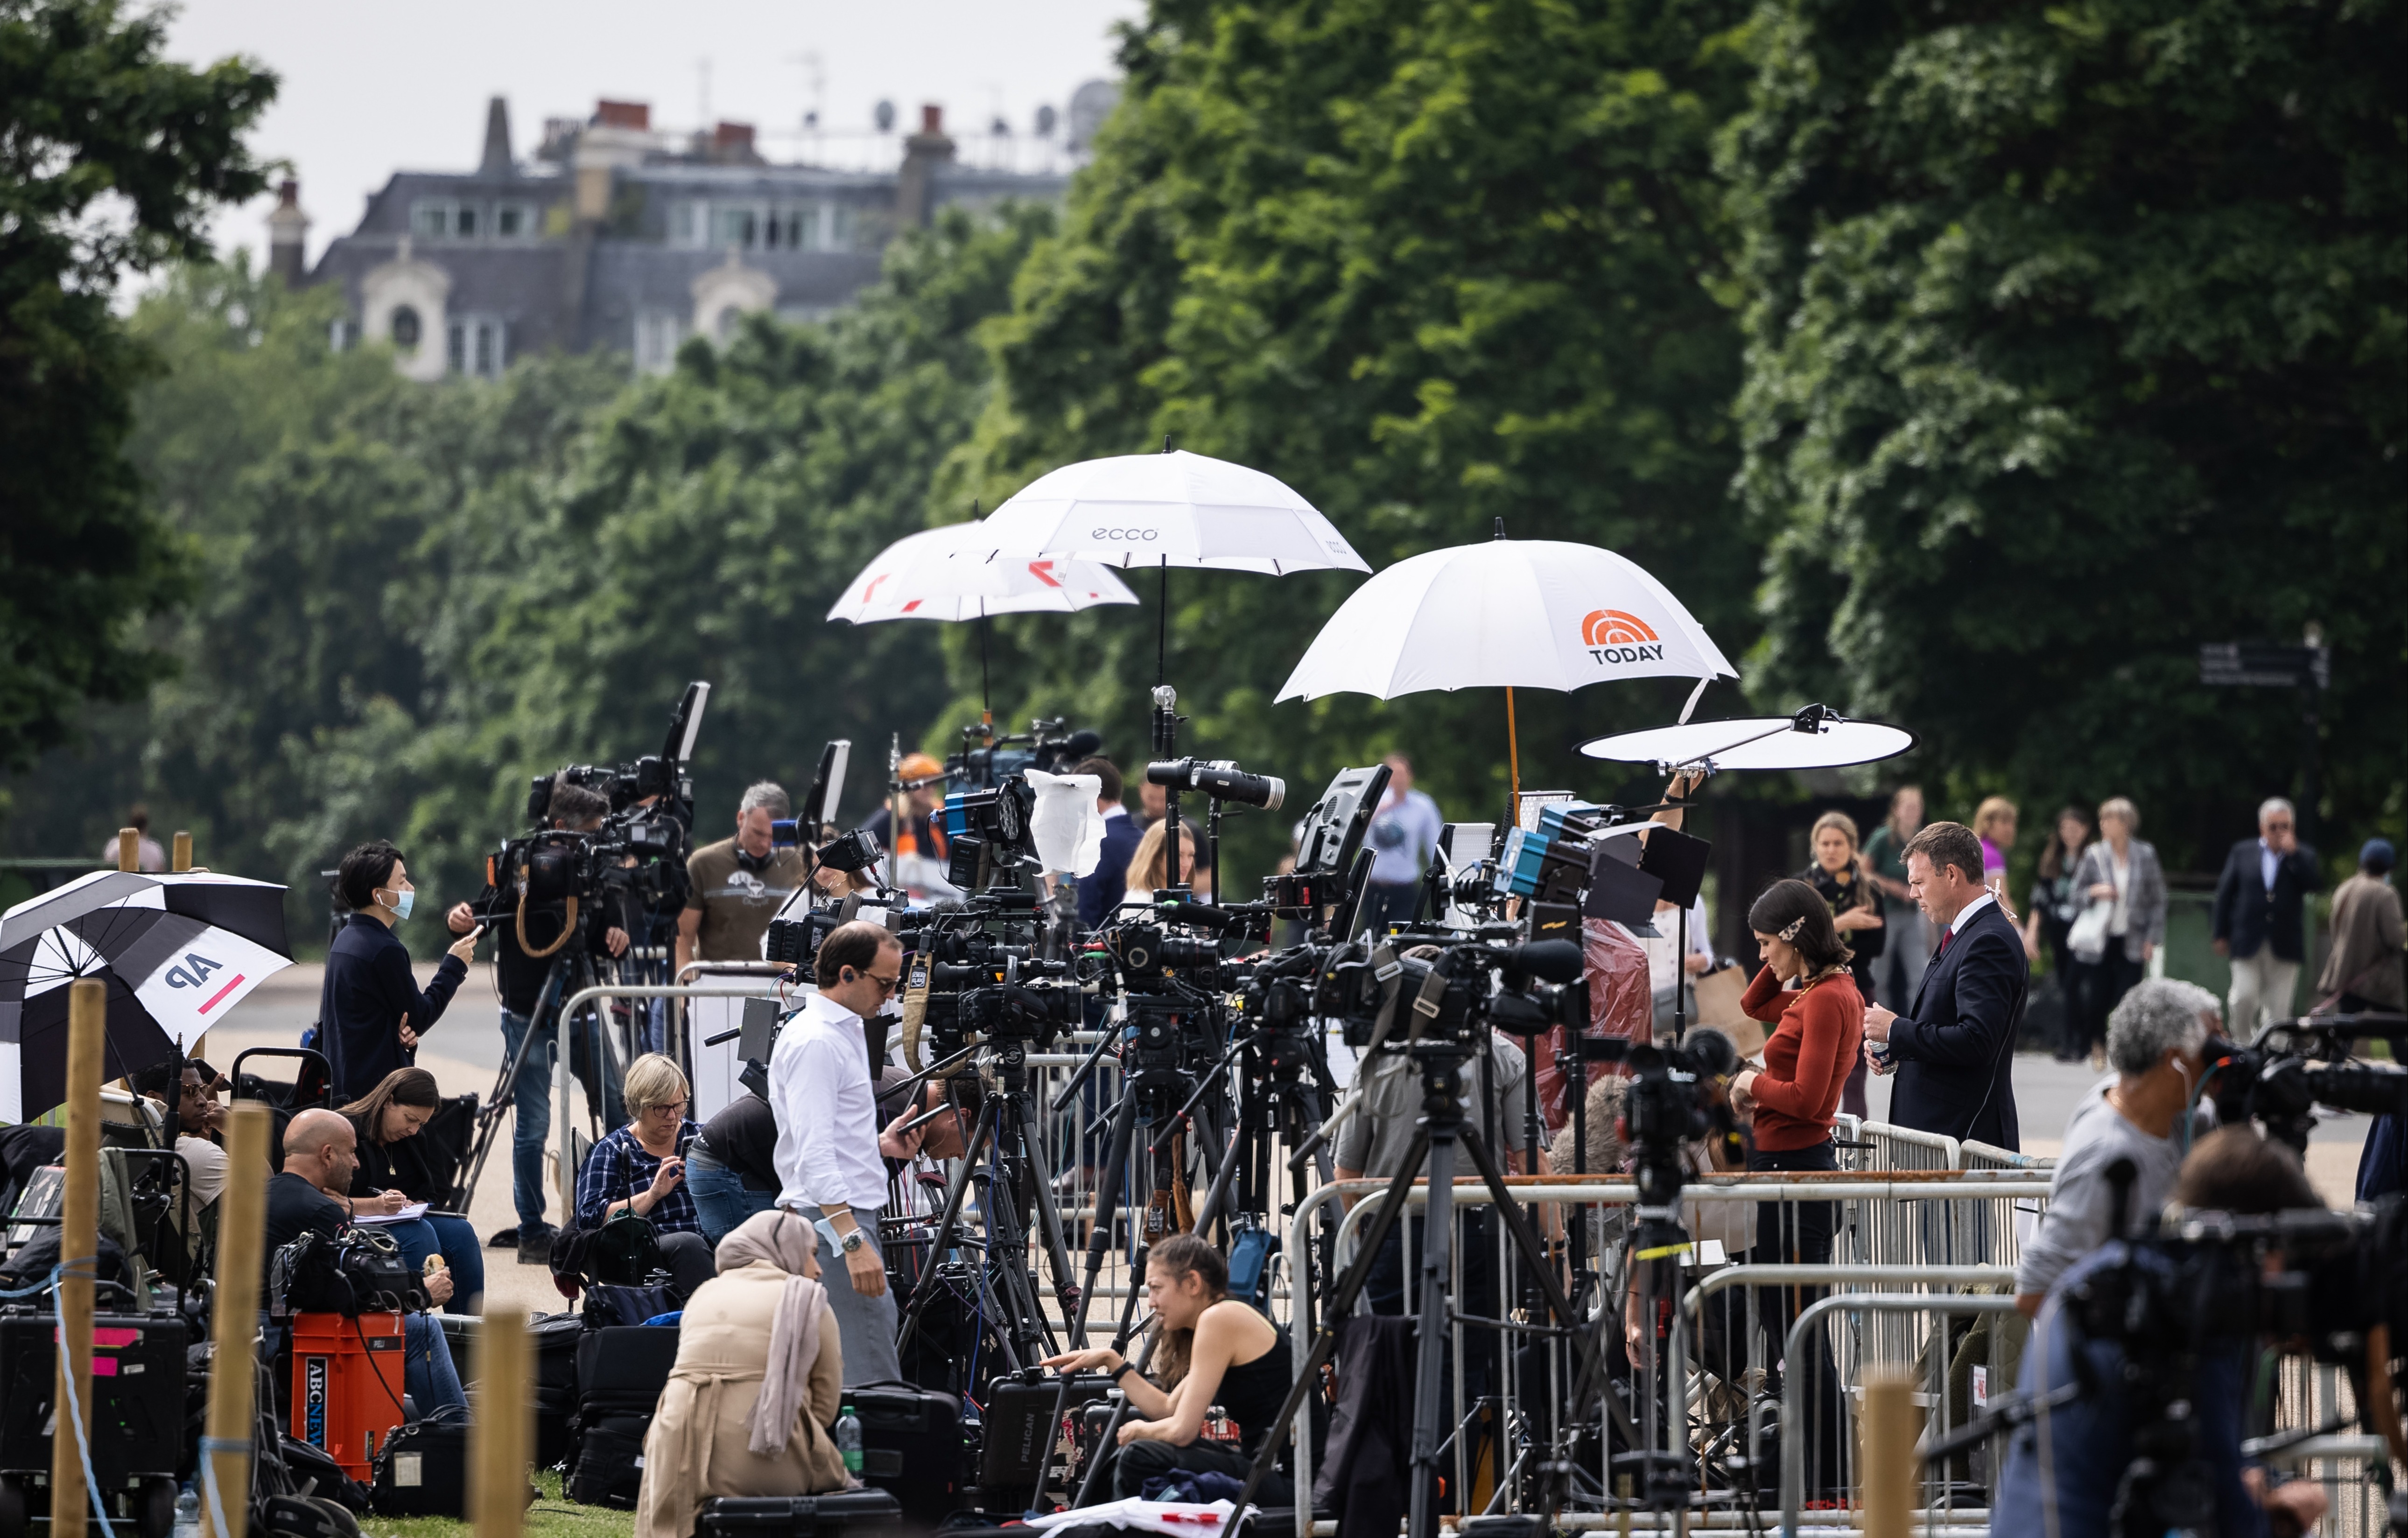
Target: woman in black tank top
x=1213 y=1350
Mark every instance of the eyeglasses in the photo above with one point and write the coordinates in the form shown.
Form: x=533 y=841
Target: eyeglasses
x=886 y=986
x=670 y=1110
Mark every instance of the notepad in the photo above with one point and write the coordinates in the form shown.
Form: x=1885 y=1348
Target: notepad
x=409 y=1214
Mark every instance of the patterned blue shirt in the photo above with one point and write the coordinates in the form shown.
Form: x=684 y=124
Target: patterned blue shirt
x=619 y=1167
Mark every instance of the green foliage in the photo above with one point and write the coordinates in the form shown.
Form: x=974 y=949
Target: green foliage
x=110 y=160
x=1433 y=263
x=2075 y=340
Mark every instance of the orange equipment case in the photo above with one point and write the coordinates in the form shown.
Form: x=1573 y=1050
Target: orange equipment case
x=347 y=1385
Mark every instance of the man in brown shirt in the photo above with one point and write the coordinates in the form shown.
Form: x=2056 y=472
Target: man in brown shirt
x=734 y=887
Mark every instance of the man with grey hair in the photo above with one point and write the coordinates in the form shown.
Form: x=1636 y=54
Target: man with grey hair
x=2260 y=901
x=2155 y=1040
x=734 y=887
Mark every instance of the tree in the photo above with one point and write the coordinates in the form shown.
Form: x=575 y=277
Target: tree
x=2077 y=340
x=110 y=161
x=1433 y=264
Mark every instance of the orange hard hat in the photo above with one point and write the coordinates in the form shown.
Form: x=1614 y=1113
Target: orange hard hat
x=918 y=766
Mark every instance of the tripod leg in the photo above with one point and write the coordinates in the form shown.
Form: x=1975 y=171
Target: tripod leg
x=1049 y=1216
x=1108 y=1181
x=1429 y=1357
x=947 y=1226
x=489 y=1120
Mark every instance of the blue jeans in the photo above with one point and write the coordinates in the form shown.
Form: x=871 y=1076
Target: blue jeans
x=450 y=1236
x=719 y=1197
x=427 y=1375
x=530 y=1098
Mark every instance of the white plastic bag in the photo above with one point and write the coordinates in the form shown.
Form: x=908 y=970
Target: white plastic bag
x=1066 y=827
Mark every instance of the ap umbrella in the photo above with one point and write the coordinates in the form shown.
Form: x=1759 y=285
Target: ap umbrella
x=1507 y=613
x=177 y=952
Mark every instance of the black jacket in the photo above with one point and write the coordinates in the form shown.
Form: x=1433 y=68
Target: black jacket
x=1955 y=1049
x=2248 y=917
x=1365 y=1476
x=369 y=988
x=1101 y=890
x=520 y=975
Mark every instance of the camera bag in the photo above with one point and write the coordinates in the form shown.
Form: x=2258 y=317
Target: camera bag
x=619 y=1375
x=865 y=1513
x=423 y=1469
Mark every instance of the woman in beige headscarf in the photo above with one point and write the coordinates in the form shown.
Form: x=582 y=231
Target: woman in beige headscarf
x=748 y=1405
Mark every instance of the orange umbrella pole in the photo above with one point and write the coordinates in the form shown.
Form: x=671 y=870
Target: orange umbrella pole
x=1513 y=755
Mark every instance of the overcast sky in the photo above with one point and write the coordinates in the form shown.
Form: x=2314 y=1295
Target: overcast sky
x=370 y=89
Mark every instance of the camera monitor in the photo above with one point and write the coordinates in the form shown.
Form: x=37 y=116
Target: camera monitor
x=1333 y=830
x=818 y=809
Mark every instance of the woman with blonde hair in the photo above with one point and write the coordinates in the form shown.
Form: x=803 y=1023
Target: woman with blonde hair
x=2123 y=874
x=1147 y=873
x=640 y=1167
x=760 y=1367
x=1840 y=878
x=1994 y=824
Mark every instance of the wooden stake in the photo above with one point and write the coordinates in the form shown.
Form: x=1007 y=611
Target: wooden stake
x=78 y=1255
x=183 y=860
x=1890 y=1458
x=129 y=848
x=242 y=1219
x=504 y=1444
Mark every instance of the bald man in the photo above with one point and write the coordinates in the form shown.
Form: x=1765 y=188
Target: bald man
x=312 y=1195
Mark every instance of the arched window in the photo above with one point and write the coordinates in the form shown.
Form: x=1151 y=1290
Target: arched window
x=405 y=328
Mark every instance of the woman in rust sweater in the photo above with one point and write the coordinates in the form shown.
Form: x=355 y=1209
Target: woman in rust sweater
x=1805 y=986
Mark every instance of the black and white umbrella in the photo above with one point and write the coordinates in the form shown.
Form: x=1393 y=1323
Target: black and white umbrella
x=177 y=953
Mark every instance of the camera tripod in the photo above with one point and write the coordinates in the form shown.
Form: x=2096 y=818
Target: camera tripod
x=1006 y=1154
x=1441 y=1133
x=572 y=973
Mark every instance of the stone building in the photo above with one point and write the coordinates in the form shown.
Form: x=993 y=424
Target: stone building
x=622 y=236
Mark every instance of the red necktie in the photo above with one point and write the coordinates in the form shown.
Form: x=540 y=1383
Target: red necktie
x=1945 y=935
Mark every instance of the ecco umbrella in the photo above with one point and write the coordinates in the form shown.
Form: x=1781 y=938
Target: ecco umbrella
x=1168 y=509
x=177 y=952
x=1507 y=613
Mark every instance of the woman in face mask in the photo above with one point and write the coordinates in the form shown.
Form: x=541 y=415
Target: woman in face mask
x=372 y=1011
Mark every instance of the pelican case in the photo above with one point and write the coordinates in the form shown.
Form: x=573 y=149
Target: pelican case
x=1021 y=1432
x=860 y=1514
x=911 y=1444
x=136 y=1413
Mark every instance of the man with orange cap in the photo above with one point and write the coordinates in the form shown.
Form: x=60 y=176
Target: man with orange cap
x=919 y=846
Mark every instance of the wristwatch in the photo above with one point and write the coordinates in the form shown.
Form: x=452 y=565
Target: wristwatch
x=845 y=1242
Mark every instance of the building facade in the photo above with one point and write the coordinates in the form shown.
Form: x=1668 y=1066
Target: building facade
x=618 y=236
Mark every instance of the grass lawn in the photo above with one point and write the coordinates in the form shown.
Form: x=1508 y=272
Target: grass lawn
x=550 y=1516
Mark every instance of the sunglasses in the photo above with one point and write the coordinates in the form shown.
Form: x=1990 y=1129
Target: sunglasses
x=886 y=985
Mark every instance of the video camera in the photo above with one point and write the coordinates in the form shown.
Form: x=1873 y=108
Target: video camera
x=987 y=759
x=1537 y=984
x=2294 y=1066
x=985 y=970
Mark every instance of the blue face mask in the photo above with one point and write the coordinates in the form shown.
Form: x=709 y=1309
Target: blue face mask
x=401 y=907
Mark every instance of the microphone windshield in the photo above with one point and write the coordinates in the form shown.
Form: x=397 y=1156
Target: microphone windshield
x=1081 y=744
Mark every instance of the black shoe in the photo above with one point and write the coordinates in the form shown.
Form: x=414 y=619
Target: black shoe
x=534 y=1245
x=502 y=1239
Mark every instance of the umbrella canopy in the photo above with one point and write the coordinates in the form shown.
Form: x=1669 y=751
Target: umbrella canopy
x=919 y=578
x=177 y=952
x=1169 y=510
x=1509 y=613
x=1814 y=738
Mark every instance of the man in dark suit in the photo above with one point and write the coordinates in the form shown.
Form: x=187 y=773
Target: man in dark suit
x=2259 y=900
x=1954 y=1053
x=1101 y=890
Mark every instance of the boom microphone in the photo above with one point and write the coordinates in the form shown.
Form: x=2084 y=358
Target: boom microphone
x=1081 y=745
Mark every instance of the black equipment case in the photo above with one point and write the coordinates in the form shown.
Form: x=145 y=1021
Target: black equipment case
x=1020 y=1432
x=911 y=1444
x=423 y=1470
x=620 y=1374
x=859 y=1513
x=137 y=1416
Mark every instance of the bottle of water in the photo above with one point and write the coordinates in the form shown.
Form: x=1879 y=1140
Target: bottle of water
x=188 y=1514
x=848 y=1441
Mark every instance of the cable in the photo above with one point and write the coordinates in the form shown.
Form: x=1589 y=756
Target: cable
x=99 y=1509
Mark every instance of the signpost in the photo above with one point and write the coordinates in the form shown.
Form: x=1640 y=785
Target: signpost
x=2256 y=665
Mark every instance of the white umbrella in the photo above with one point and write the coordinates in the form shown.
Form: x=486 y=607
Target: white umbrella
x=1171 y=510
x=1509 y=613
x=919 y=578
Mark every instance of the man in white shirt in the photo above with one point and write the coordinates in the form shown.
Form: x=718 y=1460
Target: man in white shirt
x=830 y=1153
x=1402 y=837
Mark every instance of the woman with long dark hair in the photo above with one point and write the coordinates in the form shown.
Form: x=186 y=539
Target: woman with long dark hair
x=1213 y=1350
x=393 y=1174
x=2056 y=901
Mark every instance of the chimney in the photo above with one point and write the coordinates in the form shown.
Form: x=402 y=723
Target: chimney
x=497 y=160
x=619 y=139
x=923 y=153
x=731 y=143
x=635 y=115
x=288 y=230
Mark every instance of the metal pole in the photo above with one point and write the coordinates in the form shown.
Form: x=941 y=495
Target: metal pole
x=79 y=1253
x=242 y=1218
x=504 y=1441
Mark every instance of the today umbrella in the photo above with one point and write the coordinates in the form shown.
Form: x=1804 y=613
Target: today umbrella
x=177 y=953
x=944 y=573
x=1506 y=613
x=1169 y=510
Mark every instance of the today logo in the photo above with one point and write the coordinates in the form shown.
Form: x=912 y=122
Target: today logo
x=1612 y=637
x=1126 y=536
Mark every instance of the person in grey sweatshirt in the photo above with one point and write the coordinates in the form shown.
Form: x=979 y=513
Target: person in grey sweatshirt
x=2154 y=1039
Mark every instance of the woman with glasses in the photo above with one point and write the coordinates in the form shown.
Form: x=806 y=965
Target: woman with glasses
x=396 y=1171
x=640 y=1167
